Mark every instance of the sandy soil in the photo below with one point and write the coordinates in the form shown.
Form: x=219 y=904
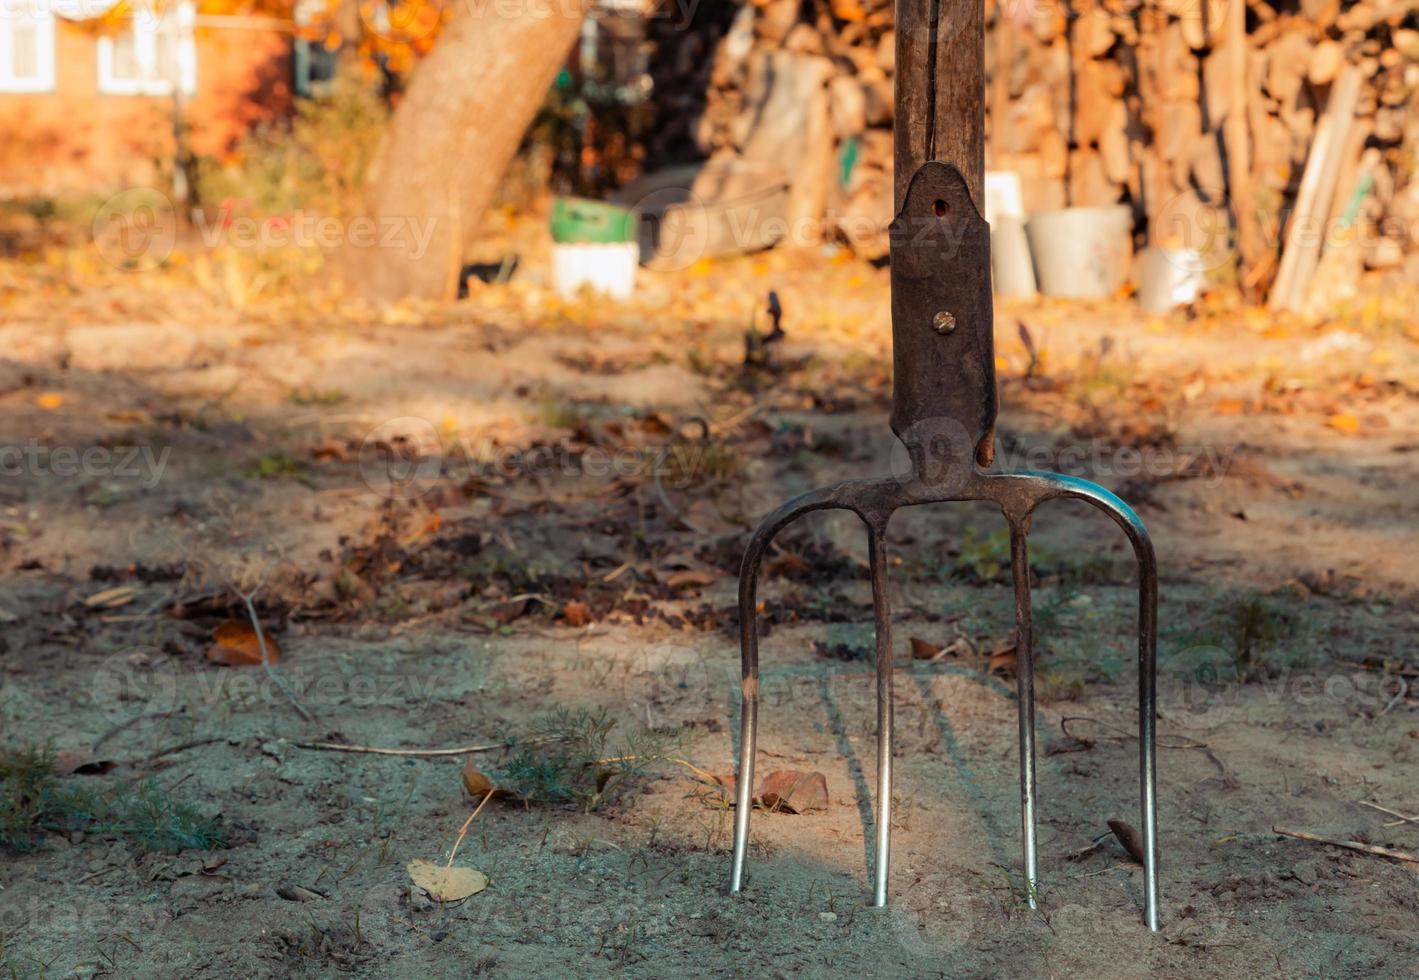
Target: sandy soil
x=1275 y=465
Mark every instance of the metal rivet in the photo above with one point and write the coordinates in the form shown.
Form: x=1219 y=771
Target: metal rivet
x=943 y=322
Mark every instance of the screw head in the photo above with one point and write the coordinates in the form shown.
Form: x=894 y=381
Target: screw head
x=944 y=322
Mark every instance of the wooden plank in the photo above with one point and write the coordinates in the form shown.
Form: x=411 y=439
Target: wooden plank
x=940 y=91
x=1303 y=234
x=1236 y=138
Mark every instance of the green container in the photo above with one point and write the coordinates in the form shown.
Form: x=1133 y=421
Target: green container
x=580 y=220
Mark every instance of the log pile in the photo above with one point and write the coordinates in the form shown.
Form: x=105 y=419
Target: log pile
x=1201 y=115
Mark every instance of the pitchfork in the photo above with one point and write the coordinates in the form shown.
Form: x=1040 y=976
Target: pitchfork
x=943 y=413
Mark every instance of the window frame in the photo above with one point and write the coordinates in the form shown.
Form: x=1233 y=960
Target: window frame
x=42 y=17
x=145 y=28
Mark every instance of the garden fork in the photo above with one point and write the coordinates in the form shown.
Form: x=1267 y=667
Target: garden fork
x=943 y=414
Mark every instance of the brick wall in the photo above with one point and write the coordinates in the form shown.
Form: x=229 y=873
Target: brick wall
x=76 y=139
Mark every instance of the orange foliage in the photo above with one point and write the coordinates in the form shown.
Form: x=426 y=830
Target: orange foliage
x=396 y=35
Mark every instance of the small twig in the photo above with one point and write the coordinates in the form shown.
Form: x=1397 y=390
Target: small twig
x=266 y=657
x=125 y=725
x=417 y=753
x=174 y=750
x=1185 y=742
x=464 y=829
x=1084 y=852
x=708 y=777
x=1102 y=871
x=1403 y=819
x=1351 y=845
x=1398 y=696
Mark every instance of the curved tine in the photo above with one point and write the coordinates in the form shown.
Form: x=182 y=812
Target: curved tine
x=1038 y=487
x=824 y=499
x=1025 y=694
x=882 y=621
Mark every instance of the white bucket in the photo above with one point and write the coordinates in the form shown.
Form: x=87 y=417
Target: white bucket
x=1010 y=259
x=604 y=267
x=1169 y=278
x=1081 y=253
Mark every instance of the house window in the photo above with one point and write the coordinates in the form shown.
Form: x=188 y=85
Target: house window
x=26 y=47
x=153 y=55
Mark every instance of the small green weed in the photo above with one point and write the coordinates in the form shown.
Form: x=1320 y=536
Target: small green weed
x=983 y=558
x=516 y=572
x=316 y=396
x=572 y=757
x=276 y=466
x=1250 y=627
x=556 y=414
x=34 y=802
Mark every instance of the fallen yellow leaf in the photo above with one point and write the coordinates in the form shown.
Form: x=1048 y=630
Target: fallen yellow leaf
x=1344 y=422
x=446 y=884
x=49 y=400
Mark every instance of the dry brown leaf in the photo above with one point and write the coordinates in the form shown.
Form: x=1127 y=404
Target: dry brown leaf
x=1002 y=662
x=331 y=449
x=1131 y=839
x=235 y=644
x=789 y=791
x=922 y=650
x=786 y=563
x=80 y=762
x=690 y=577
x=1003 y=655
x=576 y=613
x=503 y=613
x=446 y=884
x=719 y=790
x=479 y=784
x=429 y=525
x=958 y=647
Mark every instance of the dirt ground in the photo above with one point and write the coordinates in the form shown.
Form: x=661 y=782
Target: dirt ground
x=564 y=536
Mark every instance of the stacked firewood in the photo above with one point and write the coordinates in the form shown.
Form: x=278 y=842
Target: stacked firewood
x=1203 y=115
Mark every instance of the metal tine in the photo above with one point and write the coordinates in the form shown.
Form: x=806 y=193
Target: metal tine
x=1018 y=494
x=749 y=682
x=882 y=620
x=749 y=698
x=768 y=529
x=1138 y=536
x=1025 y=693
x=1148 y=716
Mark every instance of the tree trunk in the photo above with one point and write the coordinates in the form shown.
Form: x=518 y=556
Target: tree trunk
x=452 y=137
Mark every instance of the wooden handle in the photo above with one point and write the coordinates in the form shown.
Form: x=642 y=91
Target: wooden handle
x=940 y=96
